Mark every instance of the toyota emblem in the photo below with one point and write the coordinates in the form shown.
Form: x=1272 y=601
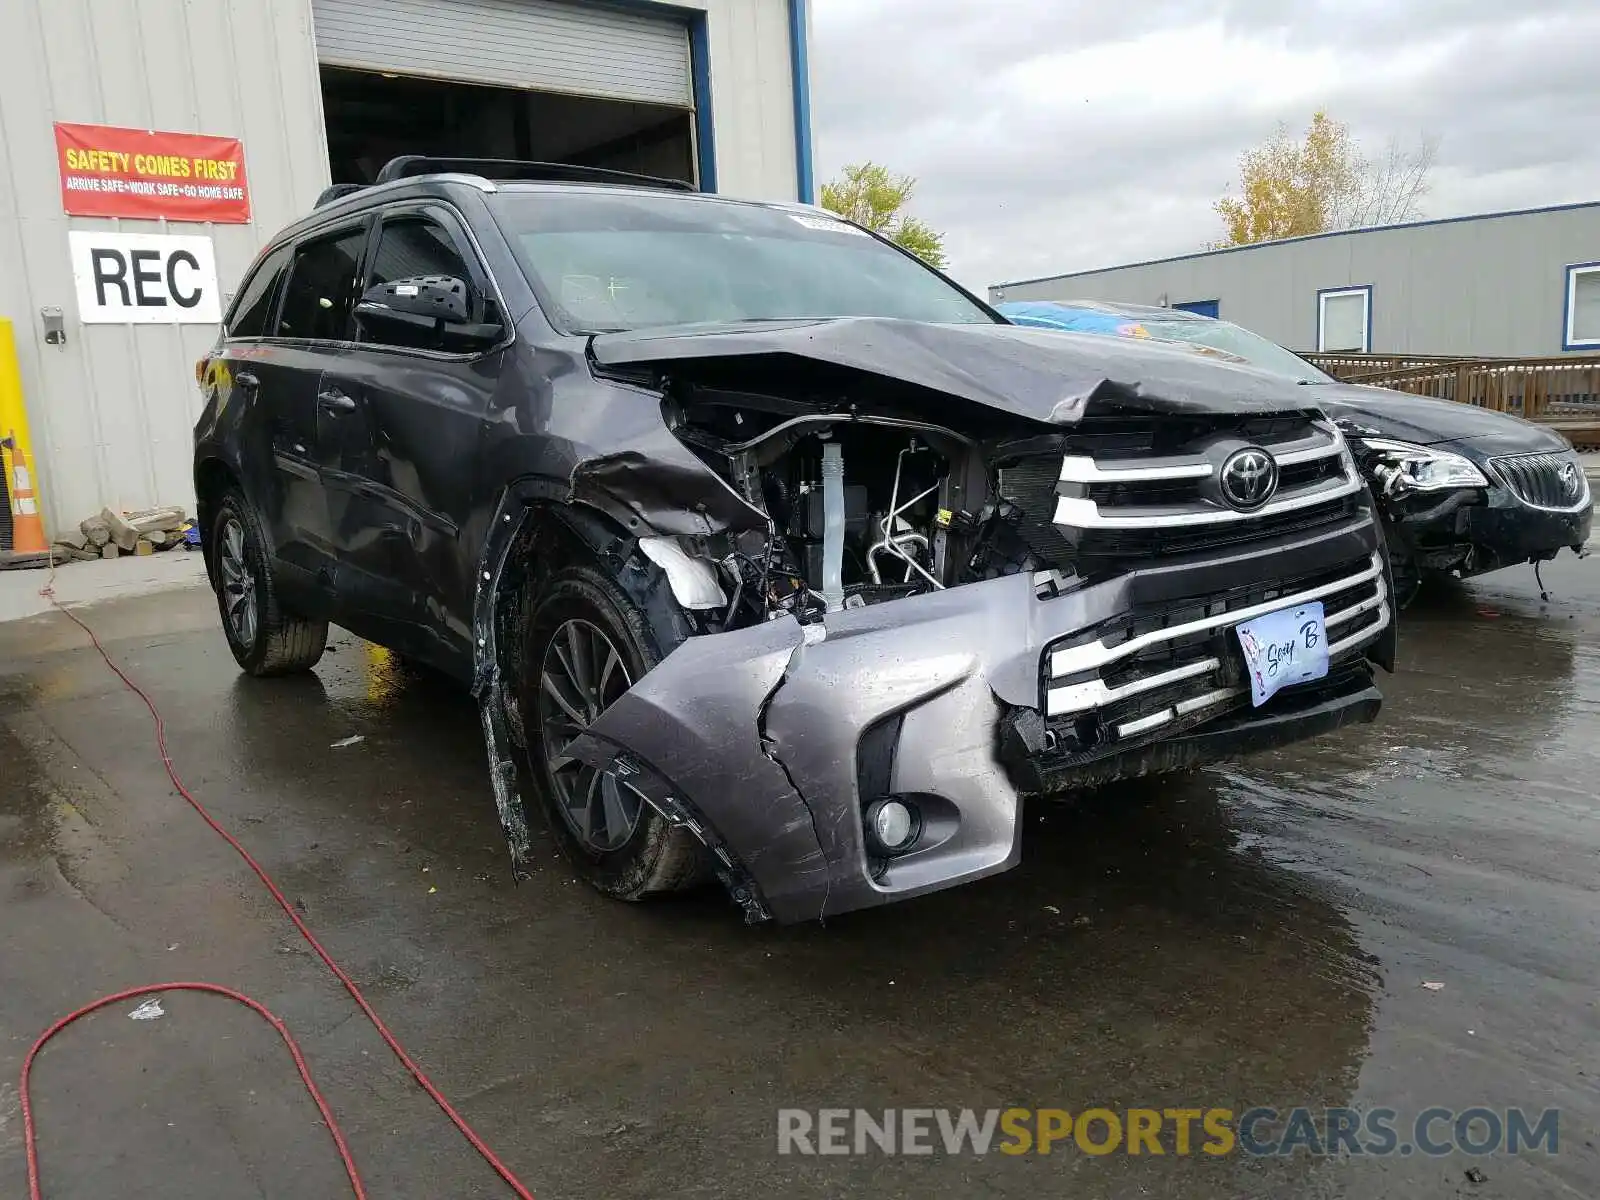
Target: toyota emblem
x=1569 y=477
x=1249 y=477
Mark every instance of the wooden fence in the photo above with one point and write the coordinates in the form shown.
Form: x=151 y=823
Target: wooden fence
x=1344 y=364
x=1539 y=389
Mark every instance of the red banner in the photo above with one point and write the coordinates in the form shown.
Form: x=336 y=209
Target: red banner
x=111 y=172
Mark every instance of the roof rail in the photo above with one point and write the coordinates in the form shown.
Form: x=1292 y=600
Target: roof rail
x=339 y=190
x=514 y=169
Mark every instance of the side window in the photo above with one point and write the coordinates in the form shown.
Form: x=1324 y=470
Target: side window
x=409 y=246
x=252 y=311
x=415 y=246
x=1344 y=319
x=321 y=289
x=1583 y=308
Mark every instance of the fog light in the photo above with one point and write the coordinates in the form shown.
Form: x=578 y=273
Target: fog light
x=893 y=826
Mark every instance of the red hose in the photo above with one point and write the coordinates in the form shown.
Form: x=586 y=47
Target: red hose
x=339 y=973
x=215 y=989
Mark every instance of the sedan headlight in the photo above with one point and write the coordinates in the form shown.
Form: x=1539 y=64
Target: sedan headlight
x=1403 y=466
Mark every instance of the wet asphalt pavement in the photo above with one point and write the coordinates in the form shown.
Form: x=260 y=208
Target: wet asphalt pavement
x=1251 y=935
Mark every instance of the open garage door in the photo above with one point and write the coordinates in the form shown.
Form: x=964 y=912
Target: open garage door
x=541 y=79
x=546 y=45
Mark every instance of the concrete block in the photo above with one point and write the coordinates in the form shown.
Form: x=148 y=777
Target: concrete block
x=95 y=531
x=124 y=535
x=171 y=517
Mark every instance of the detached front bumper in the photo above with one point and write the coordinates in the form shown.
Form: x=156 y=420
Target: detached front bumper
x=1506 y=534
x=1528 y=513
x=768 y=741
x=1475 y=531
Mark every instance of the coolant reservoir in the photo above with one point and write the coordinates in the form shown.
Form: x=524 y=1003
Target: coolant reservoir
x=833 y=525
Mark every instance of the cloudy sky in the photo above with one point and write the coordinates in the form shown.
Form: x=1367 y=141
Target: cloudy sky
x=1058 y=135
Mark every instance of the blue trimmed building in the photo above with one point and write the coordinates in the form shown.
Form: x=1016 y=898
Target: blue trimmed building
x=1524 y=283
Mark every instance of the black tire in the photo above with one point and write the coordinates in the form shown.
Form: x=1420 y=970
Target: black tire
x=1403 y=567
x=275 y=641
x=629 y=850
x=1408 y=578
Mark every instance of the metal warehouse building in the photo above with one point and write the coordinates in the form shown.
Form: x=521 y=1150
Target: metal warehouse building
x=123 y=234
x=1502 y=284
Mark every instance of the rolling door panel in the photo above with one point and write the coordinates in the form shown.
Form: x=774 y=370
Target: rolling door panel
x=546 y=45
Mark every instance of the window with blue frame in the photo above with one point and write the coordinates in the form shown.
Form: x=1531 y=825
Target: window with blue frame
x=1582 y=331
x=1344 y=319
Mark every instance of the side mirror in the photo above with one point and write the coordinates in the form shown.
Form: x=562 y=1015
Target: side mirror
x=437 y=305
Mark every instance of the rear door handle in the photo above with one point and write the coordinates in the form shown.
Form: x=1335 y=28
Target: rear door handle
x=336 y=401
x=246 y=380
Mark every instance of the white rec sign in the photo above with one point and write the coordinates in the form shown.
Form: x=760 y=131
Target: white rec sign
x=145 y=278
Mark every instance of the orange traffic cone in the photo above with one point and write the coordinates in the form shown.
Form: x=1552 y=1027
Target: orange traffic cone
x=27 y=530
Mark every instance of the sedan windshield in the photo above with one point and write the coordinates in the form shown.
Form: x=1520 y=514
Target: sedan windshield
x=604 y=261
x=1231 y=339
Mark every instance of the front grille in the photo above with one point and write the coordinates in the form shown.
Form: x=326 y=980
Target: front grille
x=1544 y=480
x=1162 y=493
x=1117 y=491
x=1104 y=548
x=1064 y=763
x=1160 y=436
x=1164 y=668
x=1030 y=484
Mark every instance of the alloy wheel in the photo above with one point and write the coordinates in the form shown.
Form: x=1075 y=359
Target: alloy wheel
x=581 y=675
x=238 y=583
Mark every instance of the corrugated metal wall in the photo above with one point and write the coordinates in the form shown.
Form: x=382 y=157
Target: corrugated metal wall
x=551 y=45
x=1492 y=285
x=112 y=411
x=753 y=98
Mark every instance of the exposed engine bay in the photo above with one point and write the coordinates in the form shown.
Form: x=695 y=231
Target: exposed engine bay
x=907 y=576
x=863 y=508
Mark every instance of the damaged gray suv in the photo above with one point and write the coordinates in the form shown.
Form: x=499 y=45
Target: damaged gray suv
x=767 y=550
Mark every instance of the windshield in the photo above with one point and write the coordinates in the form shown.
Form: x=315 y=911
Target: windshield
x=1253 y=348
x=608 y=261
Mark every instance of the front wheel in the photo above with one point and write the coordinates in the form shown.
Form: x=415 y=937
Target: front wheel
x=1407 y=580
x=586 y=644
x=264 y=636
x=1403 y=567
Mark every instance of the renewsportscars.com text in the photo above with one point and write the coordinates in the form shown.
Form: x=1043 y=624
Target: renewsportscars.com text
x=1167 y=1131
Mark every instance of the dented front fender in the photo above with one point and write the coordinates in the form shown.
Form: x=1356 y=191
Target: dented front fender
x=688 y=736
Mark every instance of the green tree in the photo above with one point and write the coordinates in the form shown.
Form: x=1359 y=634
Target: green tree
x=1290 y=187
x=873 y=197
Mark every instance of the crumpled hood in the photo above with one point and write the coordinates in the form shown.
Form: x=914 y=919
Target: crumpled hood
x=1430 y=422
x=1041 y=374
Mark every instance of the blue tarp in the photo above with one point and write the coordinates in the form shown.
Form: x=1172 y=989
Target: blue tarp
x=1048 y=314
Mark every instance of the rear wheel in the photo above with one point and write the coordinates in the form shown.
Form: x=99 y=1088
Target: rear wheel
x=586 y=644
x=265 y=638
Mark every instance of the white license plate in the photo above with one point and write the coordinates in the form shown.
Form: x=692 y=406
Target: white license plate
x=1284 y=647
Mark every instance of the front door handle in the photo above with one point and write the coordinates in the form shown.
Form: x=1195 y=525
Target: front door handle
x=336 y=401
